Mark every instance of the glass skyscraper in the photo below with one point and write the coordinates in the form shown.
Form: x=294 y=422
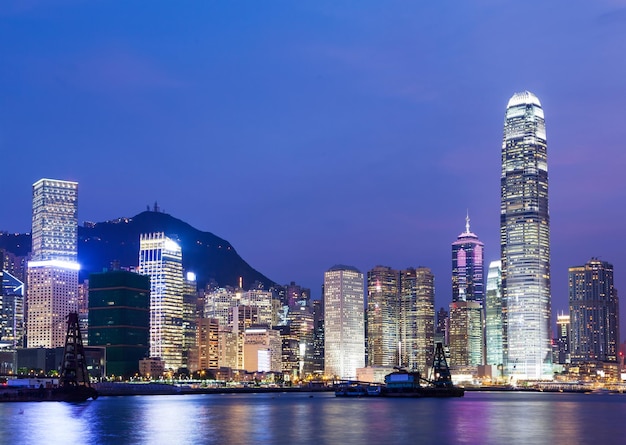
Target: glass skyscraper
x=161 y=258
x=344 y=330
x=52 y=276
x=594 y=313
x=417 y=319
x=493 y=315
x=382 y=316
x=467 y=267
x=525 y=240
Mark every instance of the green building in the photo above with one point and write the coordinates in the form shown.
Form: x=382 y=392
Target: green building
x=119 y=318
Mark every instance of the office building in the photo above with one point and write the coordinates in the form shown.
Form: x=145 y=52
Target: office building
x=417 y=319
x=52 y=274
x=467 y=267
x=562 y=342
x=466 y=334
x=493 y=315
x=382 y=316
x=11 y=311
x=594 y=313
x=161 y=259
x=525 y=241
x=344 y=330
x=119 y=319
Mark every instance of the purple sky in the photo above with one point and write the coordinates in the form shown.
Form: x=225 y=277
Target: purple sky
x=310 y=133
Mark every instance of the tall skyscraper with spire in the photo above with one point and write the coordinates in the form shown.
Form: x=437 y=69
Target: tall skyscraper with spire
x=525 y=240
x=52 y=275
x=467 y=267
x=468 y=297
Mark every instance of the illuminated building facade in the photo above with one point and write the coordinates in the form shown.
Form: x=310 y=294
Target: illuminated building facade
x=161 y=259
x=52 y=274
x=262 y=350
x=562 y=343
x=466 y=334
x=11 y=311
x=207 y=340
x=525 y=241
x=594 y=313
x=467 y=267
x=493 y=315
x=382 y=316
x=344 y=328
x=417 y=319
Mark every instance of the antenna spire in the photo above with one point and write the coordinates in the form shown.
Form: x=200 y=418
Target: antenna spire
x=467 y=224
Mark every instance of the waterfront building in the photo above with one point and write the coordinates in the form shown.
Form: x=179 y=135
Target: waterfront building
x=468 y=299
x=262 y=350
x=318 y=336
x=161 y=259
x=466 y=334
x=207 y=339
x=594 y=312
x=301 y=329
x=119 y=319
x=525 y=241
x=11 y=311
x=190 y=316
x=383 y=287
x=229 y=355
x=344 y=329
x=562 y=342
x=417 y=319
x=52 y=273
x=493 y=315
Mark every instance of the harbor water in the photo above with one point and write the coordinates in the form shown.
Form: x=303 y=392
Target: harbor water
x=320 y=418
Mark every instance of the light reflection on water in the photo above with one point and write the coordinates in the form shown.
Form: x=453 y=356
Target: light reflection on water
x=478 y=418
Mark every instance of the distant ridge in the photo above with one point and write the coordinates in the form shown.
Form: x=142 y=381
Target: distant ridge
x=99 y=245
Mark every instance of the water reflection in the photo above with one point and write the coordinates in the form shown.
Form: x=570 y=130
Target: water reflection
x=478 y=418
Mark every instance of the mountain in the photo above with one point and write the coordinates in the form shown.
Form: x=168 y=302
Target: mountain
x=101 y=244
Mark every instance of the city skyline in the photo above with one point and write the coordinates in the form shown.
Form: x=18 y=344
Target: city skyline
x=347 y=135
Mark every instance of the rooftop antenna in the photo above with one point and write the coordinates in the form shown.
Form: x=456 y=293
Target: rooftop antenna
x=467 y=225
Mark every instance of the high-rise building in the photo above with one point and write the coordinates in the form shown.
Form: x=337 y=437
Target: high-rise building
x=493 y=315
x=52 y=275
x=594 y=312
x=119 y=319
x=466 y=334
x=562 y=343
x=442 y=327
x=417 y=319
x=525 y=240
x=11 y=311
x=161 y=259
x=467 y=267
x=382 y=316
x=344 y=329
x=207 y=340
x=468 y=298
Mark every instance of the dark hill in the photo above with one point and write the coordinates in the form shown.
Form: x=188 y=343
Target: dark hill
x=100 y=244
x=210 y=257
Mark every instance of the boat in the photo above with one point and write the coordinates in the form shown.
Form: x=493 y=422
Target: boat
x=73 y=385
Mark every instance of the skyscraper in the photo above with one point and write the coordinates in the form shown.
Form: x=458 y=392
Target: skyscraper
x=52 y=276
x=468 y=295
x=525 y=240
x=493 y=315
x=161 y=258
x=594 y=313
x=382 y=316
x=467 y=267
x=344 y=330
x=417 y=318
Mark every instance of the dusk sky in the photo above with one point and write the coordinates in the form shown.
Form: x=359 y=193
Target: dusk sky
x=312 y=133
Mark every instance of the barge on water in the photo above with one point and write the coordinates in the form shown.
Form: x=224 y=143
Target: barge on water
x=403 y=383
